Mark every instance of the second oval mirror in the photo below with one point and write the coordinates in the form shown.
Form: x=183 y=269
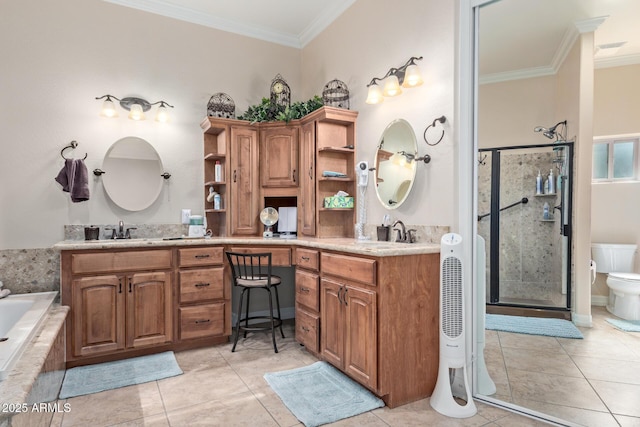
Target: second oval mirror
x=395 y=165
x=133 y=172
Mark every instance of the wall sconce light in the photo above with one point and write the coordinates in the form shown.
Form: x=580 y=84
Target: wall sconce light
x=136 y=107
x=407 y=76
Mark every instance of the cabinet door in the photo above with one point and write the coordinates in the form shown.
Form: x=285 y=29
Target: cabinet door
x=360 y=358
x=245 y=200
x=332 y=323
x=308 y=179
x=279 y=161
x=149 y=309
x=97 y=315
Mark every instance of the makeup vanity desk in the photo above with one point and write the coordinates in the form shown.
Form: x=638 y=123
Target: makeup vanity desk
x=370 y=309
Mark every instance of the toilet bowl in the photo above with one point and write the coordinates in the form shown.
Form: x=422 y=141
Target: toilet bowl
x=624 y=285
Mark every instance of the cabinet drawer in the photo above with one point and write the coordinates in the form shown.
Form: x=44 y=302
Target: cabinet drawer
x=120 y=261
x=201 y=285
x=307 y=290
x=307 y=327
x=201 y=321
x=361 y=270
x=308 y=259
x=279 y=256
x=193 y=257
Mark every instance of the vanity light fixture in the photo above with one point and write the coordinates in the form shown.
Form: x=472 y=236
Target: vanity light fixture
x=406 y=76
x=136 y=107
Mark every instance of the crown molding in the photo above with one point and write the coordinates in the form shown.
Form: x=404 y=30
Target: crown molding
x=298 y=41
x=590 y=25
x=617 y=61
x=525 y=73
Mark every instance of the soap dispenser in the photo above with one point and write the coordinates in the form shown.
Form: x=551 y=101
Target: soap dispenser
x=552 y=182
x=545 y=211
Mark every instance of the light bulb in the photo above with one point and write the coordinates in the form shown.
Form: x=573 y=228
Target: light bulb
x=374 y=96
x=412 y=77
x=392 y=86
x=136 y=112
x=163 y=114
x=109 y=108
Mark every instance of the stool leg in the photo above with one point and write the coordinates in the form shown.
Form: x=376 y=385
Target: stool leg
x=237 y=331
x=278 y=306
x=246 y=316
x=273 y=329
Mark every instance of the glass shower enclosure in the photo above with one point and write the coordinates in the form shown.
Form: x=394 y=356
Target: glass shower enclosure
x=527 y=226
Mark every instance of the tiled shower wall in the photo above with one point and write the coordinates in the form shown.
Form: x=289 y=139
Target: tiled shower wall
x=530 y=248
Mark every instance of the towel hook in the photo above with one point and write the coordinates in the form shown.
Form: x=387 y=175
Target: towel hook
x=73 y=144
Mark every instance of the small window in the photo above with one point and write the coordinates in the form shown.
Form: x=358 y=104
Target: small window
x=615 y=159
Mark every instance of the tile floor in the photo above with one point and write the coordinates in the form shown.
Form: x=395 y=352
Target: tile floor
x=591 y=382
x=220 y=388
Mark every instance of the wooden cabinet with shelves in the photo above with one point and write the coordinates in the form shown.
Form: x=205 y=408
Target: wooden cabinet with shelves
x=233 y=143
x=120 y=301
x=204 y=309
x=332 y=133
x=281 y=160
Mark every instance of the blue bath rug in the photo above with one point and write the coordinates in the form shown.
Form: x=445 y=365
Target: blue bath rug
x=625 y=325
x=320 y=394
x=106 y=376
x=533 y=326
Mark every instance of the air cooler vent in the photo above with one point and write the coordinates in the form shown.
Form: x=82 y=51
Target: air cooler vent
x=451 y=297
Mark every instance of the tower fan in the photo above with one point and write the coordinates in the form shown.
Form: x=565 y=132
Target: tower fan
x=452 y=333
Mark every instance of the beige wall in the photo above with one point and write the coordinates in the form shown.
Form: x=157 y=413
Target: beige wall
x=58 y=56
x=364 y=43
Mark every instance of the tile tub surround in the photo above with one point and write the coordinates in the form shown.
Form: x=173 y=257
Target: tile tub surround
x=38 y=375
x=24 y=271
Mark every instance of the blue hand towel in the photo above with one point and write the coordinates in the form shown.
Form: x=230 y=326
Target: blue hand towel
x=74 y=179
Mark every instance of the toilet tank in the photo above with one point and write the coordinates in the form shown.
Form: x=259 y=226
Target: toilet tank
x=613 y=257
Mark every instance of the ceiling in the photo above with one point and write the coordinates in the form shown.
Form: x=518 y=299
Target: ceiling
x=291 y=23
x=525 y=38
x=518 y=38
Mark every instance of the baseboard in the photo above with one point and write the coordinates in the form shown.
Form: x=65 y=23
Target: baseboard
x=581 y=320
x=599 y=300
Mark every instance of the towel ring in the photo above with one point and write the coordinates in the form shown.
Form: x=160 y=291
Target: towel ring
x=71 y=145
x=441 y=119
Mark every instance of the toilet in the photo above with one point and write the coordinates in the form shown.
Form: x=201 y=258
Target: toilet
x=624 y=285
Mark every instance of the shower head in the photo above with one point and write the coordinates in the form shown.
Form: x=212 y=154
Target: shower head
x=551 y=132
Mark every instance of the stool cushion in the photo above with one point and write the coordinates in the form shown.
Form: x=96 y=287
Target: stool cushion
x=258 y=282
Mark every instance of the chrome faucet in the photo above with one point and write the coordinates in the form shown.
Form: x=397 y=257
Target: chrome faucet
x=121 y=229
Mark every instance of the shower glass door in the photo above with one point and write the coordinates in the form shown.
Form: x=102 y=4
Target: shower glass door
x=527 y=232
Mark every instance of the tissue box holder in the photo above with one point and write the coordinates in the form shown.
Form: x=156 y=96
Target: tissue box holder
x=338 y=202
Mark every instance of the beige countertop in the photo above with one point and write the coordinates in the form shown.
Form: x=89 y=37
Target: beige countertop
x=367 y=247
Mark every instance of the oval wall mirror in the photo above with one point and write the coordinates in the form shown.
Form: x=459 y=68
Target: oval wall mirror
x=132 y=176
x=395 y=165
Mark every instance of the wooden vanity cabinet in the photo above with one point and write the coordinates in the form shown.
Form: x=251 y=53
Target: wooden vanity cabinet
x=120 y=301
x=308 y=299
x=379 y=322
x=204 y=296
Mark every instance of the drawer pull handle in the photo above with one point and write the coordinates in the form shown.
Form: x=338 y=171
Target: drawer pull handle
x=344 y=296
x=305 y=290
x=120 y=287
x=305 y=258
x=202 y=256
x=203 y=321
x=340 y=294
x=304 y=329
x=201 y=285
